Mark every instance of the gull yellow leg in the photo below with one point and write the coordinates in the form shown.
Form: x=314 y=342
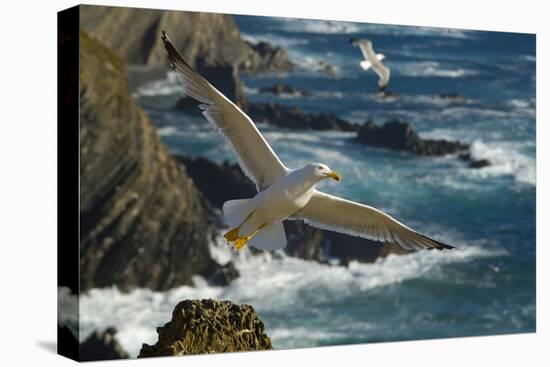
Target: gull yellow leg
x=233 y=234
x=242 y=241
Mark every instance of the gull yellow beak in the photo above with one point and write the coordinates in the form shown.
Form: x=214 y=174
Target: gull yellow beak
x=334 y=175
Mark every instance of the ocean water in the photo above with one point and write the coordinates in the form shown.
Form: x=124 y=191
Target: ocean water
x=485 y=287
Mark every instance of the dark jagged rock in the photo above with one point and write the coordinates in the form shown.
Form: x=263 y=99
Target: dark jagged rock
x=326 y=68
x=207 y=176
x=284 y=89
x=452 y=97
x=399 y=135
x=209 y=326
x=294 y=118
x=267 y=58
x=304 y=241
x=389 y=95
x=474 y=163
x=143 y=221
x=348 y=248
x=220 y=275
x=479 y=163
x=102 y=346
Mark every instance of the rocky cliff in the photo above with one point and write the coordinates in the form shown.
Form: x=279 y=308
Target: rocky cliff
x=210 y=42
x=134 y=34
x=142 y=219
x=209 y=326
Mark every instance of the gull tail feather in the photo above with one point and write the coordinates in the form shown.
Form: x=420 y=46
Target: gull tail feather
x=236 y=211
x=271 y=237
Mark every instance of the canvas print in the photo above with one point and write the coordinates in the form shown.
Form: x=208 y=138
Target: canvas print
x=255 y=183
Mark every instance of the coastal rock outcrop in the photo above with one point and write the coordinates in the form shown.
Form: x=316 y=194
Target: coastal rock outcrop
x=102 y=346
x=452 y=97
x=266 y=58
x=291 y=117
x=284 y=89
x=398 y=135
x=209 y=326
x=143 y=222
x=474 y=163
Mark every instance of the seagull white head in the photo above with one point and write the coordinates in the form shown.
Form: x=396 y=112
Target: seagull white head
x=321 y=171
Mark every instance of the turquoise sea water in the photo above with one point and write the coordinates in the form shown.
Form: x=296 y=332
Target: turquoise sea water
x=486 y=287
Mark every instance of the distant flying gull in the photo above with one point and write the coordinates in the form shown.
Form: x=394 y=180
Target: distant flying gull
x=373 y=60
x=283 y=193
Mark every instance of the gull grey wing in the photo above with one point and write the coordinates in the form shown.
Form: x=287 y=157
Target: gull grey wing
x=336 y=214
x=380 y=69
x=363 y=48
x=255 y=156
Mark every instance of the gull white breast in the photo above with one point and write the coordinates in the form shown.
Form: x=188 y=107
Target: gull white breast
x=283 y=193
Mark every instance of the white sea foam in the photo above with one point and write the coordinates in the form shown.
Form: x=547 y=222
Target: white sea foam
x=336 y=27
x=506 y=159
x=273 y=39
x=318 y=26
x=170 y=85
x=250 y=90
x=522 y=107
x=328 y=94
x=431 y=69
x=518 y=103
x=398 y=30
x=314 y=63
x=271 y=282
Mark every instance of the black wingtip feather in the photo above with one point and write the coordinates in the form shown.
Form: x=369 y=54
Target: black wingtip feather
x=439 y=245
x=172 y=55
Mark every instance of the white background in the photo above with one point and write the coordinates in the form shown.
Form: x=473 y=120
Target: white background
x=28 y=182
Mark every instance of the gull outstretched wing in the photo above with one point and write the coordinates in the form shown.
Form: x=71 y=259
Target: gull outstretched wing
x=255 y=156
x=380 y=69
x=339 y=215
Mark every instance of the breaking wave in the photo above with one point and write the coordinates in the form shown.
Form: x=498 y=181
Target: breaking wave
x=264 y=282
x=432 y=69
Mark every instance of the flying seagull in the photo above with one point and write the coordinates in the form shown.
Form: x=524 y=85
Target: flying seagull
x=283 y=193
x=373 y=60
